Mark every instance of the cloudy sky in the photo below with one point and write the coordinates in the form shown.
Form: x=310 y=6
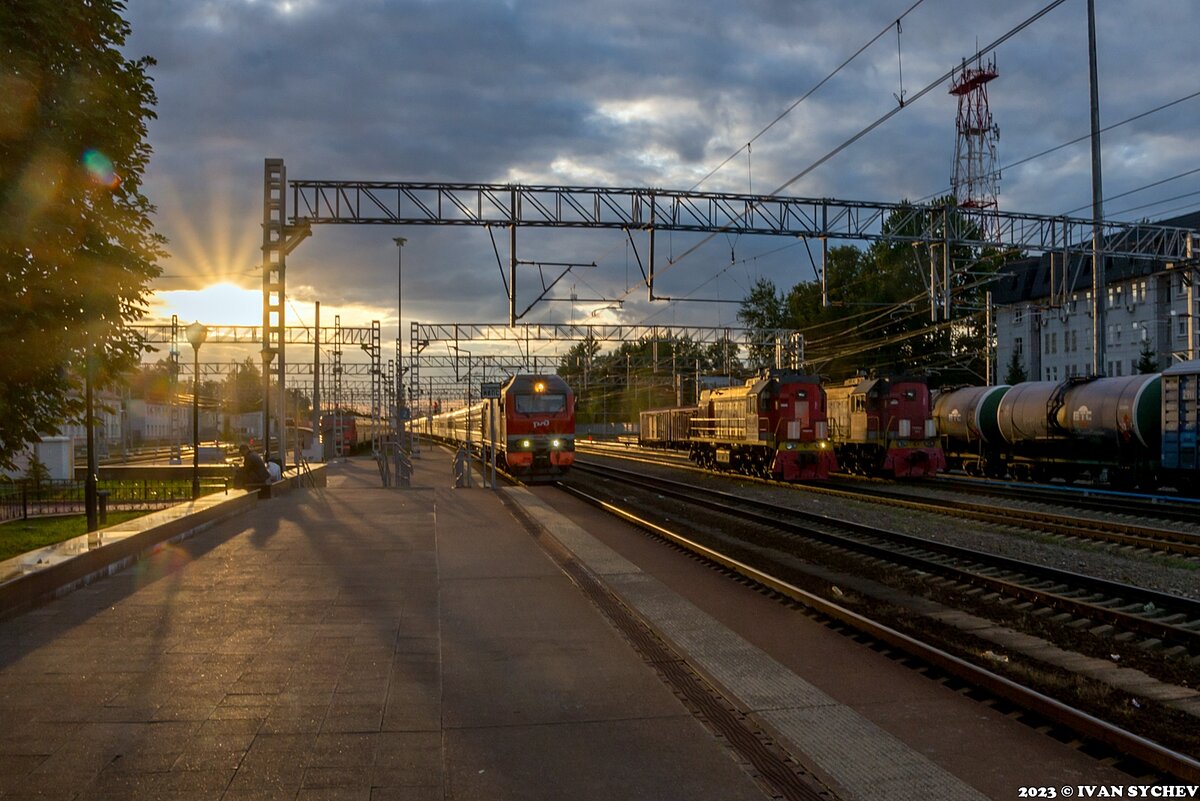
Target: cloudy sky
x=624 y=94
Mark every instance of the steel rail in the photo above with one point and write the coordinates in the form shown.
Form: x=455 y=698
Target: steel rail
x=970 y=568
x=1147 y=751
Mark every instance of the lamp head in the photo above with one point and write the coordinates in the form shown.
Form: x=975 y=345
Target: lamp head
x=197 y=332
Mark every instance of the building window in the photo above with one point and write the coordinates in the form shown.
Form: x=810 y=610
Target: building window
x=1018 y=346
x=1018 y=315
x=1182 y=326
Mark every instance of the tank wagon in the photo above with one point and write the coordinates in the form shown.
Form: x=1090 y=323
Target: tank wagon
x=1083 y=427
x=884 y=426
x=530 y=427
x=966 y=426
x=1131 y=431
x=773 y=425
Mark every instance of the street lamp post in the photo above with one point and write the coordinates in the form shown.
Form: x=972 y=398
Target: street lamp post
x=197 y=332
x=268 y=355
x=401 y=399
x=91 y=481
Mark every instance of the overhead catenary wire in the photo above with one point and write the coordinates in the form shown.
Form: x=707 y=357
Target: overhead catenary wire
x=806 y=95
x=878 y=122
x=1075 y=141
x=1141 y=188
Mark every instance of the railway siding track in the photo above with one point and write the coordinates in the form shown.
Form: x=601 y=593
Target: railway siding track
x=1157 y=617
x=1115 y=531
x=1121 y=533
x=1044 y=707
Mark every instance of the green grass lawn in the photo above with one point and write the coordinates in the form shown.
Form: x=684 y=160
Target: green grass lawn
x=21 y=536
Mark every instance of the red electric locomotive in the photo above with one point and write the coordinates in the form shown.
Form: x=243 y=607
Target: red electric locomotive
x=885 y=427
x=774 y=425
x=531 y=427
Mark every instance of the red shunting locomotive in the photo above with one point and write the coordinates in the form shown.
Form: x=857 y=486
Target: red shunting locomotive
x=771 y=426
x=884 y=426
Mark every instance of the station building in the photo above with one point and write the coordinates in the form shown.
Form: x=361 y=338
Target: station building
x=1043 y=313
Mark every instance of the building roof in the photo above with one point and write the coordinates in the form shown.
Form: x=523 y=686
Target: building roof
x=1030 y=278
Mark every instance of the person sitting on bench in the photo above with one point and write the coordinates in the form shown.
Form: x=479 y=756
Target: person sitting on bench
x=253 y=473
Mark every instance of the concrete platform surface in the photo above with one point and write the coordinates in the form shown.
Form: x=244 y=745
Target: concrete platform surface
x=349 y=642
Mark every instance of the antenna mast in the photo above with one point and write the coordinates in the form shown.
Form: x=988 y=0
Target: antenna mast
x=976 y=179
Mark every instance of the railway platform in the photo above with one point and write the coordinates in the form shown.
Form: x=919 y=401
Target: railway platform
x=347 y=642
x=429 y=643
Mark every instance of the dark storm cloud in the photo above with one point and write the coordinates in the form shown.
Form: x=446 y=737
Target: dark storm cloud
x=626 y=94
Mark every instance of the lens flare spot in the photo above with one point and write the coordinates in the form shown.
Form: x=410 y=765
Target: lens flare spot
x=100 y=168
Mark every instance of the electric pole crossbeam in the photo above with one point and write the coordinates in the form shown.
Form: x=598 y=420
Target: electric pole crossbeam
x=560 y=332
x=408 y=203
x=252 y=334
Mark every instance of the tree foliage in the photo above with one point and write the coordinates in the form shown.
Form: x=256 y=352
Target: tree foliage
x=1016 y=370
x=647 y=374
x=878 y=318
x=76 y=241
x=242 y=389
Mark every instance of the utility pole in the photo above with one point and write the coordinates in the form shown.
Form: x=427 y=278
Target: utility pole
x=1098 y=278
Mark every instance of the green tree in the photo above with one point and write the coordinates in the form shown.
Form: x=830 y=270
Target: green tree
x=76 y=241
x=36 y=474
x=1147 y=360
x=1016 y=370
x=154 y=382
x=242 y=389
x=763 y=311
x=649 y=373
x=878 y=313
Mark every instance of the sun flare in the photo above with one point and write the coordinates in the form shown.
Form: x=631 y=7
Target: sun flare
x=219 y=304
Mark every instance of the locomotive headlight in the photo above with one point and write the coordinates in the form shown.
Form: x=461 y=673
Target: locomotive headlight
x=556 y=443
x=540 y=386
x=791 y=446
x=525 y=443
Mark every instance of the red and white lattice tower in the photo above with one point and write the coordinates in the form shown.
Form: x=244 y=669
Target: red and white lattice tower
x=976 y=179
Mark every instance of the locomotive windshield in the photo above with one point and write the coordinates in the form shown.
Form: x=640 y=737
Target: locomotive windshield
x=541 y=403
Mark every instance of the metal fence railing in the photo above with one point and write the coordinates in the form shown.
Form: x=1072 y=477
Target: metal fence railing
x=25 y=499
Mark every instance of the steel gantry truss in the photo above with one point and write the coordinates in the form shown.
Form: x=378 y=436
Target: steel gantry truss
x=367 y=339
x=335 y=202
x=472 y=338
x=412 y=203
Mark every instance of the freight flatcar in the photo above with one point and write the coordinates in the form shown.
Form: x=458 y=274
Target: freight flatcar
x=666 y=428
x=884 y=427
x=530 y=427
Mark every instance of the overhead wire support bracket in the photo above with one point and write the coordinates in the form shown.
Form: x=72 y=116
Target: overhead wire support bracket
x=546 y=289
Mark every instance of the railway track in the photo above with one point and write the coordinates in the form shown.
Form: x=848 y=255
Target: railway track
x=1113 y=526
x=1170 y=508
x=1004 y=579
x=1151 y=614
